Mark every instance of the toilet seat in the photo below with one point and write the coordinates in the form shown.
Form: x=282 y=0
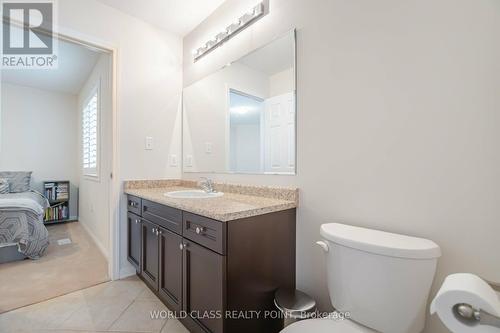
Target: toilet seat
x=326 y=326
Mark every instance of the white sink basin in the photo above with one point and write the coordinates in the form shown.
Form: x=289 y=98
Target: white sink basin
x=193 y=194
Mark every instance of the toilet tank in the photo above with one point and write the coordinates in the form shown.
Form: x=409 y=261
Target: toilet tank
x=381 y=279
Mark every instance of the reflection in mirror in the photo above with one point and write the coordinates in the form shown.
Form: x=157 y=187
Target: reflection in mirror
x=241 y=118
x=246 y=112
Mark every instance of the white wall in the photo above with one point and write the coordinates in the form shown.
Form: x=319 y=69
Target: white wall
x=94 y=191
x=149 y=82
x=398 y=122
x=39 y=133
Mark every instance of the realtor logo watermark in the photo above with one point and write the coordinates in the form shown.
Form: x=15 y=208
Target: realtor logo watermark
x=28 y=40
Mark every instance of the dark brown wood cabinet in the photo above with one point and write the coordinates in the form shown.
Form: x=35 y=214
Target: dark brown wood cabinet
x=204 y=286
x=134 y=240
x=134 y=205
x=166 y=217
x=150 y=255
x=207 y=232
x=212 y=272
x=170 y=278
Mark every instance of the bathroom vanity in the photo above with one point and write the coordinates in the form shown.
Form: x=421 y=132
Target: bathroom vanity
x=215 y=262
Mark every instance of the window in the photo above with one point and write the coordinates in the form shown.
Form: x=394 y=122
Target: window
x=90 y=130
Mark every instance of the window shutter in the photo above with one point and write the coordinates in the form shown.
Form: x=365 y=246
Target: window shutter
x=90 y=135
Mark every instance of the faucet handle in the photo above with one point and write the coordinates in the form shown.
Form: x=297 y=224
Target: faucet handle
x=206 y=184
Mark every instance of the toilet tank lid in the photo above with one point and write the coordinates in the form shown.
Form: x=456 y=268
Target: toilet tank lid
x=380 y=242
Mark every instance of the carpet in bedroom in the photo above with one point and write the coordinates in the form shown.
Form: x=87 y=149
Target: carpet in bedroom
x=63 y=269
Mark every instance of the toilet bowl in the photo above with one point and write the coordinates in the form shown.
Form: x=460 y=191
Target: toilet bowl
x=379 y=280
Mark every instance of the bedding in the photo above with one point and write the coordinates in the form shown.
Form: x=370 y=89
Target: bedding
x=21 y=222
x=19 y=181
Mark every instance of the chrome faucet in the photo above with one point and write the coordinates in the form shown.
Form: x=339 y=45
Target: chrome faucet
x=207 y=185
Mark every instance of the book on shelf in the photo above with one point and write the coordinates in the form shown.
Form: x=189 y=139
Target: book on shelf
x=59 y=212
x=57 y=191
x=58 y=194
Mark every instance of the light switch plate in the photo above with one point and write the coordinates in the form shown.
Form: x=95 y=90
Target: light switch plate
x=149 y=143
x=208 y=147
x=189 y=161
x=173 y=160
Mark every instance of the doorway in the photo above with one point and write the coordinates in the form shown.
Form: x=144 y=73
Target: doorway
x=72 y=149
x=246 y=140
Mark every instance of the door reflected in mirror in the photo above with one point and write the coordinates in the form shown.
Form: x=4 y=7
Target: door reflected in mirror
x=242 y=118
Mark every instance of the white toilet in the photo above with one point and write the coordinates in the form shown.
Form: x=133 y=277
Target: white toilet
x=381 y=280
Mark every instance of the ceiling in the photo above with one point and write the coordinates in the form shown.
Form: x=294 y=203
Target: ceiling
x=177 y=16
x=76 y=62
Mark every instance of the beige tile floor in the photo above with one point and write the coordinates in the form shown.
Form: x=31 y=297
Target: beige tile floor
x=117 y=306
x=62 y=270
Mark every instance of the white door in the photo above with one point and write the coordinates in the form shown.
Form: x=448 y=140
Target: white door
x=279 y=134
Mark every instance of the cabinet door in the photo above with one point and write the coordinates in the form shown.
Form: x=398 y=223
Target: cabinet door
x=150 y=235
x=170 y=278
x=204 y=278
x=134 y=240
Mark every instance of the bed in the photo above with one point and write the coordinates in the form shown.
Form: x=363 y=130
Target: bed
x=22 y=232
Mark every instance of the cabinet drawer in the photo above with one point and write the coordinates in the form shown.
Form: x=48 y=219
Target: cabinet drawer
x=204 y=231
x=134 y=205
x=167 y=217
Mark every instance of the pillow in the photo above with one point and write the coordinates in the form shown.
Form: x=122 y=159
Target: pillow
x=19 y=181
x=4 y=186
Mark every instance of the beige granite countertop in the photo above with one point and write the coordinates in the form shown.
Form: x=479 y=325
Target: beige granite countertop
x=238 y=201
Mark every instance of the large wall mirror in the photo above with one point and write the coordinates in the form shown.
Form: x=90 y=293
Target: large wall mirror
x=242 y=118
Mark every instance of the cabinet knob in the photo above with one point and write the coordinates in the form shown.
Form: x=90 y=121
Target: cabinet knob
x=199 y=230
x=181 y=246
x=136 y=221
x=157 y=232
x=153 y=230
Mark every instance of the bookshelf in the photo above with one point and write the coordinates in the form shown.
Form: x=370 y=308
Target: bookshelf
x=58 y=194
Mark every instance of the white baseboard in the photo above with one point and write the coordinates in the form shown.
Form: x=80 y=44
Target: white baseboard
x=103 y=250
x=127 y=271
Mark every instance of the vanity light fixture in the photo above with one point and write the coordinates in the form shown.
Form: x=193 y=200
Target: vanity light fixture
x=240 y=24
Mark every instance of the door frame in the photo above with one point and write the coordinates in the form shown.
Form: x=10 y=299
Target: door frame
x=114 y=183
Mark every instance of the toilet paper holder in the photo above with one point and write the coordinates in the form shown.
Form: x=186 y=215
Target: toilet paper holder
x=471 y=316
